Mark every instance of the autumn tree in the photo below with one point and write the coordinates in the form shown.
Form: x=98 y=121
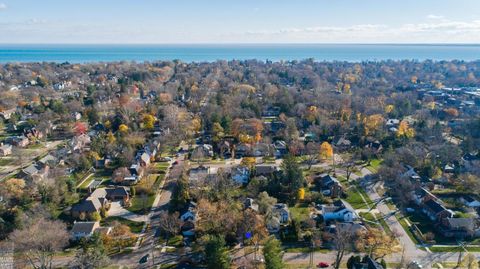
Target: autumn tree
x=376 y=243
x=326 y=151
x=39 y=239
x=405 y=131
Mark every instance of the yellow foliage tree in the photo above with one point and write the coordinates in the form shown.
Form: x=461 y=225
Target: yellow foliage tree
x=249 y=161
x=123 y=128
x=111 y=138
x=389 y=108
x=372 y=123
x=301 y=193
x=326 y=151
x=404 y=130
x=196 y=124
x=148 y=121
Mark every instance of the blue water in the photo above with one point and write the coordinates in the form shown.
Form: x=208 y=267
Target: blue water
x=209 y=53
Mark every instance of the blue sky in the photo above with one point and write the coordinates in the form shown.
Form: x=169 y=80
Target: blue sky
x=242 y=21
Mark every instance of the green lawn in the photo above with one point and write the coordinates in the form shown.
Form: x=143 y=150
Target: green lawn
x=135 y=227
x=374 y=165
x=405 y=226
x=354 y=198
x=140 y=204
x=5 y=161
x=384 y=224
x=299 y=212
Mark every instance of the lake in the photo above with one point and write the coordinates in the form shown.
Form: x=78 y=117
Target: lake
x=209 y=53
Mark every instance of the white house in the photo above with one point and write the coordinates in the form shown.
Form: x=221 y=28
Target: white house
x=340 y=211
x=85 y=229
x=5 y=150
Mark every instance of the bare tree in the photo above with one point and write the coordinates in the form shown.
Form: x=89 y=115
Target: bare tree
x=342 y=240
x=170 y=223
x=39 y=239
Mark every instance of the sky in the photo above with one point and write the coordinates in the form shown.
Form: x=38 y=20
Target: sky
x=239 y=21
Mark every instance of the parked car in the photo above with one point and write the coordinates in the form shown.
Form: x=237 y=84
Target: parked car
x=144 y=259
x=323 y=265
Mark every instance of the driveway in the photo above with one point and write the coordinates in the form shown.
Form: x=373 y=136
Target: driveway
x=117 y=210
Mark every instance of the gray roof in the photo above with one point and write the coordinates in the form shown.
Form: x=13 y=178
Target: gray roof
x=85 y=227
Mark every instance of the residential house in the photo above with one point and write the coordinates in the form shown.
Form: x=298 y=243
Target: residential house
x=137 y=171
x=80 y=143
x=435 y=210
x=280 y=148
x=83 y=229
x=225 y=149
x=241 y=175
x=460 y=227
x=242 y=150
x=261 y=150
x=198 y=174
x=144 y=159
x=470 y=201
x=118 y=194
x=93 y=203
x=249 y=203
x=5 y=150
x=367 y=263
x=34 y=172
x=281 y=212
x=18 y=141
x=343 y=144
x=33 y=133
x=340 y=211
x=265 y=170
x=103 y=162
x=7 y=114
x=188 y=218
x=329 y=185
x=47 y=160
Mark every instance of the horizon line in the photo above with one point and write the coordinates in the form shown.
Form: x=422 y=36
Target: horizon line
x=247 y=44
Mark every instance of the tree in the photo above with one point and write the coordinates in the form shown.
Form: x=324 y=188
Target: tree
x=148 y=121
x=181 y=194
x=404 y=130
x=376 y=243
x=292 y=175
x=92 y=253
x=326 y=151
x=272 y=253
x=216 y=253
x=265 y=202
x=342 y=240
x=39 y=239
x=170 y=223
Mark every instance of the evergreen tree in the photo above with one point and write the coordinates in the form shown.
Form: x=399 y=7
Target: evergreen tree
x=272 y=253
x=292 y=175
x=216 y=254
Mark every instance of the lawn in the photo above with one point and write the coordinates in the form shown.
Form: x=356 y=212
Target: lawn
x=354 y=198
x=369 y=218
x=374 y=165
x=5 y=161
x=141 y=204
x=135 y=227
x=300 y=212
x=403 y=222
x=384 y=224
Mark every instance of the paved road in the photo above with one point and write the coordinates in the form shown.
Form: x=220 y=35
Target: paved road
x=148 y=245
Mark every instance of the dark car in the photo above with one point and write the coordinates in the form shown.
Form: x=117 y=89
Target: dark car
x=144 y=259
